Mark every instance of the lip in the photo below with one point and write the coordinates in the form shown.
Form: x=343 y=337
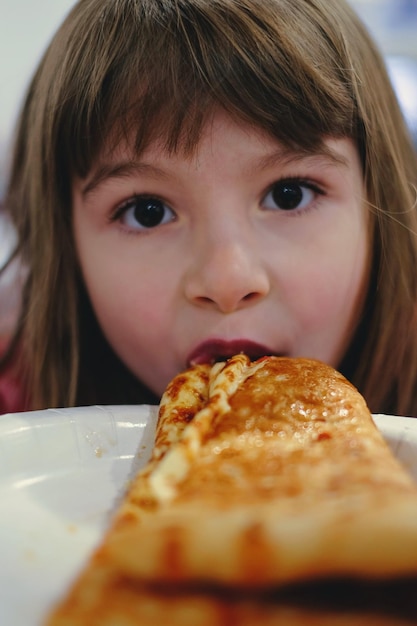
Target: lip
x=214 y=350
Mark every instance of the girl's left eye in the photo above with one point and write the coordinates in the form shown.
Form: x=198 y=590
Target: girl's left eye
x=291 y=195
x=144 y=213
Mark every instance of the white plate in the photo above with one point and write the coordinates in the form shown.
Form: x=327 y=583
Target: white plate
x=61 y=474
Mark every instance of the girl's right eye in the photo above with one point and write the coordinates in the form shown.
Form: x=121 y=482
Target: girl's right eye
x=143 y=213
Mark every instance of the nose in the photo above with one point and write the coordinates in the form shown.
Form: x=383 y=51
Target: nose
x=227 y=275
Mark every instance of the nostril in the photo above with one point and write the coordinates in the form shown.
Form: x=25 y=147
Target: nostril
x=250 y=296
x=204 y=300
x=228 y=302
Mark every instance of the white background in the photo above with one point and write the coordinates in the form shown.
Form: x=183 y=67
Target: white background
x=25 y=29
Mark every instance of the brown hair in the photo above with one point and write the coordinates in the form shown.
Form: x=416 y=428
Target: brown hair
x=299 y=69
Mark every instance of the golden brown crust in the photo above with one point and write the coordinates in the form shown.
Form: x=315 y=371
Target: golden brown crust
x=280 y=477
x=102 y=598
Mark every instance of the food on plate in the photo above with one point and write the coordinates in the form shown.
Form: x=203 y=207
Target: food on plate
x=271 y=497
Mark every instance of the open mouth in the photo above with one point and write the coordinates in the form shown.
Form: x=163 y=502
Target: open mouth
x=213 y=351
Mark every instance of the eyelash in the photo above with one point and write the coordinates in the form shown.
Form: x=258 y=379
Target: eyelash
x=122 y=210
x=302 y=183
x=278 y=186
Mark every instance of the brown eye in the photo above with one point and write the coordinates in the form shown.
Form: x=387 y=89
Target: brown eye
x=288 y=195
x=145 y=212
x=148 y=212
x=291 y=194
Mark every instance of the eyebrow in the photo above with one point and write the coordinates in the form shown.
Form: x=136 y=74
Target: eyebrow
x=289 y=156
x=123 y=169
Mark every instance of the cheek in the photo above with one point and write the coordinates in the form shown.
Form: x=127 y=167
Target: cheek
x=137 y=323
x=129 y=294
x=331 y=289
x=327 y=293
x=128 y=301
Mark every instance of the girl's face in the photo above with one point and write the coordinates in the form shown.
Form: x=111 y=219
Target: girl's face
x=243 y=246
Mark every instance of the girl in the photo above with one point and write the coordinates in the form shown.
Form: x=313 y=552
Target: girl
x=195 y=178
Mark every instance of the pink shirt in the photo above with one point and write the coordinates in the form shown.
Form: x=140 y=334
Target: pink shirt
x=13 y=397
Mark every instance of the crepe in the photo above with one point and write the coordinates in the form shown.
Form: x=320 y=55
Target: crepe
x=266 y=476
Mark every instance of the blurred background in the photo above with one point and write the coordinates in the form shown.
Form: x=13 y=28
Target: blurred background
x=26 y=27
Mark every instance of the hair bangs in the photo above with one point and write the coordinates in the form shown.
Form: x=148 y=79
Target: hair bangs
x=157 y=71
